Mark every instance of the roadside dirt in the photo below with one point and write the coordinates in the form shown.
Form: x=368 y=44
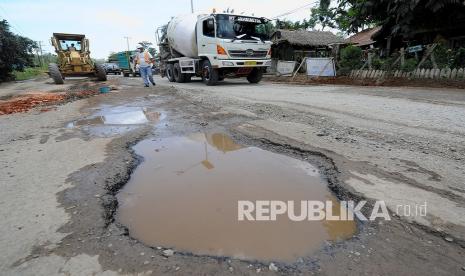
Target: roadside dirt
x=393 y=82
x=380 y=247
x=17 y=100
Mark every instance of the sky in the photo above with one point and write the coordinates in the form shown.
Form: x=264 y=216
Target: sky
x=107 y=22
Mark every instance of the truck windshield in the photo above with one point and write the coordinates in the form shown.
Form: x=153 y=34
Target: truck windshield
x=242 y=27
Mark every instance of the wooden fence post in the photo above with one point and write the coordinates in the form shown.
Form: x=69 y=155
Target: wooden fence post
x=297 y=71
x=429 y=52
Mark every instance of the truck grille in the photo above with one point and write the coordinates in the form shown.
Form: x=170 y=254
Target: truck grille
x=247 y=54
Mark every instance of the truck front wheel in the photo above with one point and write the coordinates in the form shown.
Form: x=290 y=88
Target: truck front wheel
x=210 y=75
x=170 y=73
x=255 y=76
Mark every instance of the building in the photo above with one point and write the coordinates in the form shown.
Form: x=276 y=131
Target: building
x=295 y=45
x=364 y=39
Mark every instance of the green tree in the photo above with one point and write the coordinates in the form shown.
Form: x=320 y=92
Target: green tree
x=459 y=59
x=16 y=52
x=289 y=25
x=152 y=51
x=145 y=44
x=148 y=45
x=398 y=17
x=323 y=16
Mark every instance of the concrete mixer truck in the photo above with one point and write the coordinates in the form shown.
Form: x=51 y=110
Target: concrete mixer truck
x=214 y=47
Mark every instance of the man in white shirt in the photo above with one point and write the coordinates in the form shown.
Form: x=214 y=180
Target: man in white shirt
x=144 y=60
x=71 y=48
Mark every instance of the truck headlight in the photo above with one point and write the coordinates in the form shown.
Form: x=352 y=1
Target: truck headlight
x=228 y=63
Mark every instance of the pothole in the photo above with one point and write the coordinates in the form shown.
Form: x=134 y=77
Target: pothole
x=111 y=120
x=185 y=195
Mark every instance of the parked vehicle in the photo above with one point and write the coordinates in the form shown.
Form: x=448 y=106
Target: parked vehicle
x=112 y=68
x=214 y=47
x=125 y=62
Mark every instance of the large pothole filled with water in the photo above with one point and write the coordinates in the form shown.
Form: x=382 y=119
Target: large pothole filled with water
x=185 y=194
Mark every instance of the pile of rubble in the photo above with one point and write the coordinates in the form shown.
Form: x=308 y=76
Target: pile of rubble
x=26 y=102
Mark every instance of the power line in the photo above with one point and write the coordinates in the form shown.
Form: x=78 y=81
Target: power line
x=295 y=10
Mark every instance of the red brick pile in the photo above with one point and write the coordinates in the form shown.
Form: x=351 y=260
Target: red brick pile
x=26 y=102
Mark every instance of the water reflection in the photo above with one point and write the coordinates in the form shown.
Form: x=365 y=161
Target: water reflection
x=120 y=115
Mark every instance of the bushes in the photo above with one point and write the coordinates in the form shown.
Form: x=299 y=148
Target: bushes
x=446 y=58
x=410 y=64
x=377 y=63
x=351 y=58
x=28 y=73
x=459 y=58
x=443 y=56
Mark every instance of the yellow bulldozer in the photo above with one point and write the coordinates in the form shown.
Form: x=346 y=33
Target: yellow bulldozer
x=73 y=59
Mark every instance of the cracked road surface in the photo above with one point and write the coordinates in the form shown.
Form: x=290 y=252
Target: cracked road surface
x=401 y=145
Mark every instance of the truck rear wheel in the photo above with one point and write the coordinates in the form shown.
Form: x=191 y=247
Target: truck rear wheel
x=55 y=73
x=255 y=76
x=210 y=75
x=170 y=73
x=101 y=73
x=178 y=75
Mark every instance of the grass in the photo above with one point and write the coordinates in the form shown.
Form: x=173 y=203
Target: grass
x=29 y=73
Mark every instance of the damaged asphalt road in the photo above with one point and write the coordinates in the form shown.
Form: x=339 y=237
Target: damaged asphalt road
x=59 y=179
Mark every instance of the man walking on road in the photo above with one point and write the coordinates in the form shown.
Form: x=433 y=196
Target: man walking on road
x=144 y=59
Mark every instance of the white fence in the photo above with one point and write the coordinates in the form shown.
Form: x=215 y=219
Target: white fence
x=446 y=73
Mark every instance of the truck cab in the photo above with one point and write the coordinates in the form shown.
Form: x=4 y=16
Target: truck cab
x=228 y=46
x=231 y=40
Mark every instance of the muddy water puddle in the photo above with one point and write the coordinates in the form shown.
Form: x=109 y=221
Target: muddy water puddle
x=185 y=195
x=108 y=120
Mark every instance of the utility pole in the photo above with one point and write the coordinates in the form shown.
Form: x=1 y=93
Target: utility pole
x=40 y=56
x=127 y=41
x=41 y=53
x=192 y=6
